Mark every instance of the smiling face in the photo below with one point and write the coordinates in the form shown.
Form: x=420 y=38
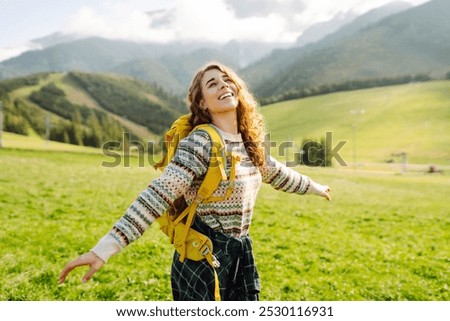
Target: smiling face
x=219 y=93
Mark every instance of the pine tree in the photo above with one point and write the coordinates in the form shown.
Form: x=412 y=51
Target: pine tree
x=96 y=130
x=77 y=128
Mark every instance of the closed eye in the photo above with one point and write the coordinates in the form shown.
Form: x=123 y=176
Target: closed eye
x=213 y=82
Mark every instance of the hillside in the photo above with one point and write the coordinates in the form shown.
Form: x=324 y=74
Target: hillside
x=411 y=42
x=87 y=109
x=409 y=118
x=172 y=72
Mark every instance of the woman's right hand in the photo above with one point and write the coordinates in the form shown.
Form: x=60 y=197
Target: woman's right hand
x=89 y=258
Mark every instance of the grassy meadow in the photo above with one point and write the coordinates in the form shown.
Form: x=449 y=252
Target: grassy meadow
x=384 y=236
x=376 y=122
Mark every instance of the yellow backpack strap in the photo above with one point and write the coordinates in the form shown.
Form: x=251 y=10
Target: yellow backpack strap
x=218 y=155
x=235 y=160
x=209 y=258
x=179 y=129
x=218 y=160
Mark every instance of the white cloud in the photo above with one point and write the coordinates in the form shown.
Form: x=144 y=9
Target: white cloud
x=273 y=28
x=324 y=10
x=213 y=20
x=13 y=51
x=117 y=23
x=204 y=20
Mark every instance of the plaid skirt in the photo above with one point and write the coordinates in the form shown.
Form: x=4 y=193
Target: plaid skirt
x=238 y=277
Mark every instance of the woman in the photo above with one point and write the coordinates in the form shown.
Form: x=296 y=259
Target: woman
x=219 y=97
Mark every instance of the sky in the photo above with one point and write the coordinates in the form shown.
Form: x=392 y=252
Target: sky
x=168 y=20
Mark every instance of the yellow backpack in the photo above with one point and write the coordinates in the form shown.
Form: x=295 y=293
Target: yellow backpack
x=188 y=242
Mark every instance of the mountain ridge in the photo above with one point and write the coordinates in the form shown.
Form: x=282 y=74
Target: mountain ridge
x=411 y=42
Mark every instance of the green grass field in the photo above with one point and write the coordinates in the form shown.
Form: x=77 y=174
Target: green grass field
x=34 y=142
x=410 y=118
x=384 y=236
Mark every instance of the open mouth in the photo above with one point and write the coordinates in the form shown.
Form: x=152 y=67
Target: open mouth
x=226 y=95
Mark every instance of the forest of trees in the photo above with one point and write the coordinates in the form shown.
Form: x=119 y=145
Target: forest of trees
x=115 y=97
x=48 y=112
x=76 y=124
x=80 y=125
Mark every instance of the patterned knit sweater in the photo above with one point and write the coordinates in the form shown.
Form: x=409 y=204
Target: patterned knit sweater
x=184 y=174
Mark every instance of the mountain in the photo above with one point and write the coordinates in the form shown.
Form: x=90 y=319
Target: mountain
x=279 y=60
x=371 y=17
x=87 y=108
x=414 y=41
x=66 y=53
x=90 y=54
x=320 y=30
x=55 y=38
x=363 y=21
x=173 y=72
x=151 y=71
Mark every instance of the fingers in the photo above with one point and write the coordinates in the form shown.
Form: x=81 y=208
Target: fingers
x=69 y=268
x=89 y=274
x=320 y=190
x=86 y=259
x=95 y=266
x=62 y=276
x=326 y=193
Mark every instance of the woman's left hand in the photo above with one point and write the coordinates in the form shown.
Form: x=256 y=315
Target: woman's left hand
x=319 y=190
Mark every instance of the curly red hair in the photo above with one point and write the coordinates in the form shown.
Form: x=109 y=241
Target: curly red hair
x=250 y=123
